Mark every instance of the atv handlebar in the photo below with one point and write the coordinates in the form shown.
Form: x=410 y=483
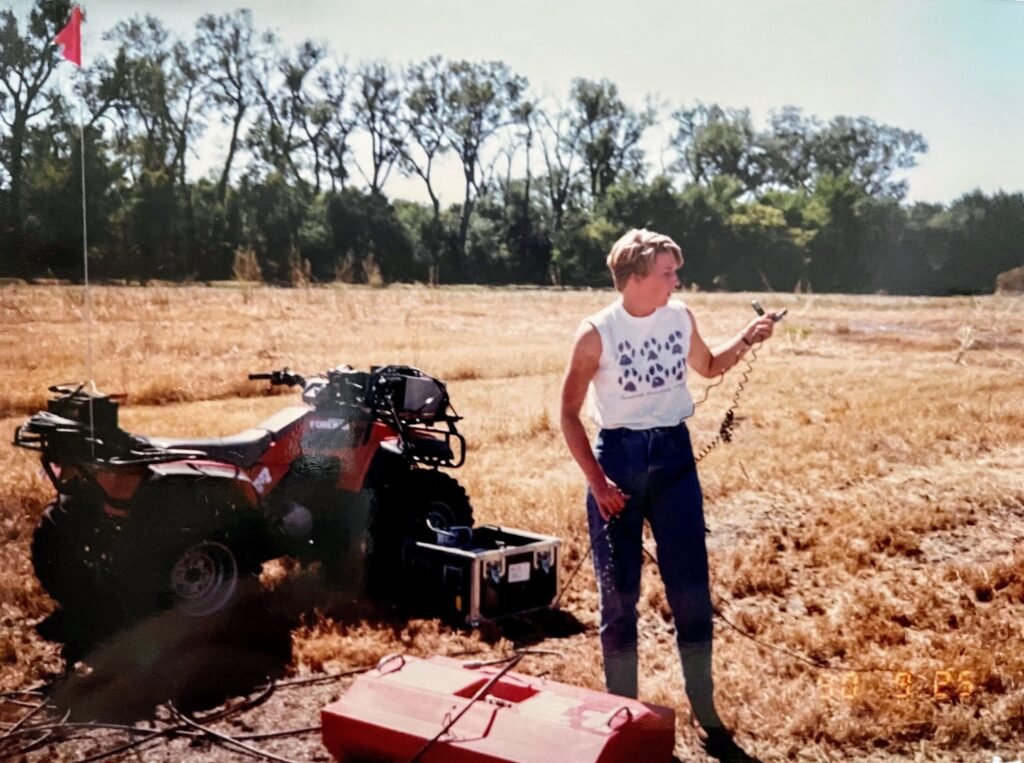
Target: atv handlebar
x=284 y=376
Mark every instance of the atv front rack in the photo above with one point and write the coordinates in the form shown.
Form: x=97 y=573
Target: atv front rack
x=421 y=443
x=414 y=404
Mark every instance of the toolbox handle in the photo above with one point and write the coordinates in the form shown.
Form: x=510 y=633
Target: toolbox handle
x=620 y=710
x=387 y=659
x=509 y=678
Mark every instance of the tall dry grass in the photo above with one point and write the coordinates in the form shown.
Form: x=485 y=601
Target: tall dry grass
x=867 y=519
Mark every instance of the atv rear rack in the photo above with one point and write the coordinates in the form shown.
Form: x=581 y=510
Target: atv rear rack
x=58 y=436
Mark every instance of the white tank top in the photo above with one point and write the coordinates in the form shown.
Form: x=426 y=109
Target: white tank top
x=641 y=380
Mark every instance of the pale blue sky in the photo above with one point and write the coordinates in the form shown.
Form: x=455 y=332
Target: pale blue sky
x=950 y=69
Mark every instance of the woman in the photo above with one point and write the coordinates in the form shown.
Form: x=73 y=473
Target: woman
x=634 y=357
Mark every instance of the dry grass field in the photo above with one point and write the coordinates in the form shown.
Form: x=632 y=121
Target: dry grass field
x=867 y=517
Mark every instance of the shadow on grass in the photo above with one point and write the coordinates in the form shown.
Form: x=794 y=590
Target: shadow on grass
x=531 y=628
x=199 y=662
x=194 y=662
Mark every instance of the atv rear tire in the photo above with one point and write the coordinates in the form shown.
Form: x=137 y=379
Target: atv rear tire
x=61 y=546
x=204 y=578
x=186 y=547
x=71 y=555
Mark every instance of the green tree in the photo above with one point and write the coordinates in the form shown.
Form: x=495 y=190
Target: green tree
x=228 y=47
x=376 y=112
x=418 y=222
x=150 y=226
x=765 y=252
x=789 y=149
x=367 y=234
x=887 y=257
x=53 y=197
x=153 y=88
x=272 y=214
x=218 y=229
x=27 y=60
x=150 y=93
x=706 y=211
x=985 y=237
x=293 y=121
x=315 y=244
x=837 y=249
x=579 y=250
x=868 y=153
x=653 y=205
x=426 y=116
x=711 y=141
x=610 y=133
x=800 y=149
x=481 y=98
x=338 y=124
x=525 y=244
x=559 y=138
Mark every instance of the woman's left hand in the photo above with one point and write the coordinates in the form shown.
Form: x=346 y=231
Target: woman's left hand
x=759 y=329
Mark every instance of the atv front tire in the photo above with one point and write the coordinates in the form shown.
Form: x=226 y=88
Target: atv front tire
x=433 y=498
x=403 y=511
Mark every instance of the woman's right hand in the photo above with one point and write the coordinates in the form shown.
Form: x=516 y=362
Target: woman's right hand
x=609 y=498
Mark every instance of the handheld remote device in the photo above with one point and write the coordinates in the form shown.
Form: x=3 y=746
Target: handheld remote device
x=775 y=316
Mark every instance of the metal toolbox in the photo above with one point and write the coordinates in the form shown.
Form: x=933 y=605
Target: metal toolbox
x=495 y=572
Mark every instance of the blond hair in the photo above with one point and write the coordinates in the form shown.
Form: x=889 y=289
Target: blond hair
x=634 y=254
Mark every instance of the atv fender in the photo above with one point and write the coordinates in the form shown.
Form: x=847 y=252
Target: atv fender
x=228 y=474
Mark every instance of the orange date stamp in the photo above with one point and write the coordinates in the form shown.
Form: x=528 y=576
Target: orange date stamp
x=950 y=685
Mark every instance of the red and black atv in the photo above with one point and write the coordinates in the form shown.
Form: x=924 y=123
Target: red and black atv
x=144 y=523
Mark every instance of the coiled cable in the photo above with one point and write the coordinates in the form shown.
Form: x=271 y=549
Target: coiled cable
x=725 y=429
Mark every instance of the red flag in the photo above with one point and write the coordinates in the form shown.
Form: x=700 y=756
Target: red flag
x=70 y=38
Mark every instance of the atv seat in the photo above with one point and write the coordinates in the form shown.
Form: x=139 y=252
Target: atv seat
x=243 y=449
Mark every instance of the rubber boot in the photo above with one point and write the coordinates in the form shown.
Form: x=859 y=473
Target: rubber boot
x=700 y=688
x=716 y=740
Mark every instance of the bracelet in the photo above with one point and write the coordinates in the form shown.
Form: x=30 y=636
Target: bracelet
x=746 y=341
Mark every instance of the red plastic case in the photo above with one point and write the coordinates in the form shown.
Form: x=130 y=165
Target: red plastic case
x=390 y=713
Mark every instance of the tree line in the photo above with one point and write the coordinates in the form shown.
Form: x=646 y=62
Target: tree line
x=310 y=144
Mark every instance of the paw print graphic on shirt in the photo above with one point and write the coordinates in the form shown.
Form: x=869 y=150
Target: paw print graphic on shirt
x=675 y=342
x=678 y=369
x=652 y=365
x=629 y=378
x=656 y=375
x=650 y=349
x=626 y=354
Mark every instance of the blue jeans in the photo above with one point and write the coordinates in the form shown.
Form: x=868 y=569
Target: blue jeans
x=656 y=469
